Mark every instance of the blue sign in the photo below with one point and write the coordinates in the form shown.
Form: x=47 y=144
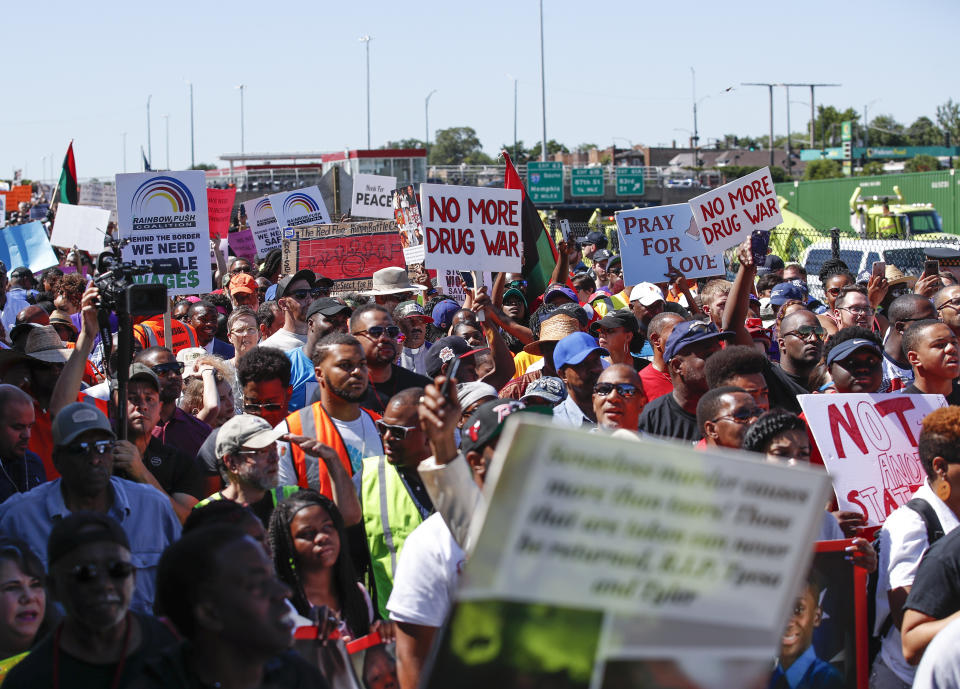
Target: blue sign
x=26 y=245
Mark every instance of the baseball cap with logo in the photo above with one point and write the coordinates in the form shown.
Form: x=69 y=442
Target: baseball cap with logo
x=445 y=350
x=77 y=418
x=485 y=424
x=848 y=347
x=687 y=333
x=245 y=432
x=411 y=309
x=548 y=388
x=784 y=292
x=646 y=293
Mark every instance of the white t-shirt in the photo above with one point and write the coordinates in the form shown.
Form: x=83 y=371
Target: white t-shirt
x=903 y=541
x=284 y=340
x=940 y=667
x=361 y=439
x=427 y=575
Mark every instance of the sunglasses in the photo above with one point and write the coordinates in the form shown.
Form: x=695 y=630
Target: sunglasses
x=99 y=447
x=805 y=331
x=256 y=408
x=742 y=415
x=398 y=432
x=377 y=331
x=248 y=271
x=623 y=389
x=516 y=284
x=84 y=574
x=311 y=292
x=169 y=367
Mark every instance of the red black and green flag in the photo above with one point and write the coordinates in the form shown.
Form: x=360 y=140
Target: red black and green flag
x=67 y=186
x=539 y=252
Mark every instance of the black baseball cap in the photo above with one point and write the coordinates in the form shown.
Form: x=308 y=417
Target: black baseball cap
x=485 y=424
x=304 y=274
x=616 y=319
x=596 y=237
x=80 y=528
x=447 y=349
x=328 y=306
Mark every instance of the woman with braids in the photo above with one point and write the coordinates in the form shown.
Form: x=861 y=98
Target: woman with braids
x=310 y=551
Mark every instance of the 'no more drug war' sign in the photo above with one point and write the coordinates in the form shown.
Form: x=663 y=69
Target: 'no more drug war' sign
x=263 y=224
x=869 y=445
x=729 y=214
x=471 y=228
x=165 y=216
x=373 y=196
x=656 y=240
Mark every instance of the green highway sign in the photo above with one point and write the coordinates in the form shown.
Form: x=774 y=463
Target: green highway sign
x=629 y=181
x=545 y=182
x=586 y=181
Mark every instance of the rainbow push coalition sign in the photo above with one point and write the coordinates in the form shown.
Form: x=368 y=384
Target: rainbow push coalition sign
x=263 y=224
x=300 y=207
x=164 y=215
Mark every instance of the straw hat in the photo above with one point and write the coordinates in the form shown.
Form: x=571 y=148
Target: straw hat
x=44 y=344
x=553 y=329
x=895 y=276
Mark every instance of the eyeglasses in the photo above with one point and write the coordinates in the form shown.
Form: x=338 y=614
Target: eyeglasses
x=805 y=331
x=307 y=292
x=248 y=270
x=398 y=432
x=243 y=332
x=623 y=389
x=952 y=304
x=260 y=452
x=377 y=331
x=857 y=310
x=742 y=415
x=98 y=447
x=256 y=408
x=84 y=574
x=168 y=368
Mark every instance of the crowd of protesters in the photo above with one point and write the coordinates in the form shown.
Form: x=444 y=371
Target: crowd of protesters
x=292 y=449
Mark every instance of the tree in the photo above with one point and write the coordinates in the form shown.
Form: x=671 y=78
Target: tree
x=455 y=145
x=202 y=166
x=552 y=147
x=827 y=124
x=404 y=143
x=874 y=167
x=886 y=131
x=923 y=132
x=581 y=148
x=519 y=154
x=822 y=169
x=948 y=117
x=922 y=163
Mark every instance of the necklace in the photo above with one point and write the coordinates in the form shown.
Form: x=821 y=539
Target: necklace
x=26 y=476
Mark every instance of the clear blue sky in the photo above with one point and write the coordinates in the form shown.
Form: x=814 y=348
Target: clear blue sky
x=614 y=69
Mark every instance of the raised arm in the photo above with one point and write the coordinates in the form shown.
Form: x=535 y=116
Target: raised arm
x=738 y=303
x=68 y=384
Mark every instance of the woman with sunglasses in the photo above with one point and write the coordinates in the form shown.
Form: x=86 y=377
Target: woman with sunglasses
x=24 y=614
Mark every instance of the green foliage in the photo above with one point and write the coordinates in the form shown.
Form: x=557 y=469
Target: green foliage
x=404 y=143
x=874 y=167
x=203 y=166
x=519 y=154
x=823 y=169
x=581 y=148
x=922 y=163
x=948 y=117
x=827 y=124
x=457 y=145
x=923 y=132
x=552 y=147
x=886 y=131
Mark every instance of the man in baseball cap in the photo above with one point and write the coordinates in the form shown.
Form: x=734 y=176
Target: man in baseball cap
x=441 y=355
x=577 y=359
x=413 y=322
x=786 y=291
x=594 y=241
x=294 y=296
x=546 y=391
x=646 y=301
x=242 y=290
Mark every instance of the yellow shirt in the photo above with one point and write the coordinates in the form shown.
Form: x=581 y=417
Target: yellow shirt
x=522 y=361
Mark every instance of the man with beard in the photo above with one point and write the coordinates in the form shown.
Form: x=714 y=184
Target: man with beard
x=175 y=427
x=801 y=345
x=577 y=359
x=83 y=454
x=413 y=324
x=373 y=326
x=249 y=464
x=203 y=317
x=21 y=468
x=143 y=458
x=325 y=315
x=337 y=420
x=618 y=398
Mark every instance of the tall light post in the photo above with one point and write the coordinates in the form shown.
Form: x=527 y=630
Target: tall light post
x=124 y=149
x=149 y=140
x=543 y=91
x=166 y=123
x=241 y=87
x=866 y=122
x=426 y=125
x=365 y=39
x=192 y=159
x=813 y=114
x=695 y=139
x=516 y=91
x=770 y=89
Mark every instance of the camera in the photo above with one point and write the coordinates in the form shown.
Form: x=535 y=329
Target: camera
x=120 y=292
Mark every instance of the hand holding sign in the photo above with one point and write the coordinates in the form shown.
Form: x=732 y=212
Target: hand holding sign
x=728 y=214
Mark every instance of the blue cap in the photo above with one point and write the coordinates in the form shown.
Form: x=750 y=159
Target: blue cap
x=848 y=347
x=687 y=333
x=560 y=289
x=271 y=293
x=574 y=348
x=784 y=292
x=443 y=312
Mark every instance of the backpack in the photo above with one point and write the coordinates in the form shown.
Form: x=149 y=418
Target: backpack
x=934 y=533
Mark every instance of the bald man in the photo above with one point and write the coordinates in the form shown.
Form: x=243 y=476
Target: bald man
x=21 y=468
x=655 y=378
x=618 y=398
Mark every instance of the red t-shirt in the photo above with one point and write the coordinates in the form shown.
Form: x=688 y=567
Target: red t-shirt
x=655 y=383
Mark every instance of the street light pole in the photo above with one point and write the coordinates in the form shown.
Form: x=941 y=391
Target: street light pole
x=241 y=87
x=366 y=40
x=789 y=160
x=516 y=93
x=124 y=149
x=813 y=112
x=696 y=137
x=770 y=90
x=543 y=91
x=426 y=122
x=866 y=123
x=193 y=162
x=166 y=126
x=149 y=139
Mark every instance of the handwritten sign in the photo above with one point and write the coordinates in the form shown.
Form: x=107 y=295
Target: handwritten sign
x=219 y=207
x=243 y=245
x=471 y=228
x=263 y=224
x=869 y=446
x=301 y=207
x=729 y=214
x=372 y=196
x=658 y=240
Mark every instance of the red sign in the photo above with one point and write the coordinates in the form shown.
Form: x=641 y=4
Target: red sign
x=219 y=206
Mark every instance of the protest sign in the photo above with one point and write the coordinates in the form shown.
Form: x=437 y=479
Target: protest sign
x=27 y=245
x=596 y=556
x=348 y=253
x=165 y=217
x=301 y=207
x=729 y=214
x=243 y=245
x=219 y=207
x=263 y=224
x=406 y=212
x=658 y=240
x=39 y=211
x=16 y=195
x=3 y=210
x=869 y=446
x=81 y=226
x=100 y=195
x=373 y=196
x=471 y=228
x=448 y=282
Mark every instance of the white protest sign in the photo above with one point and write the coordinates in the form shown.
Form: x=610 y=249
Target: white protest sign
x=263 y=225
x=99 y=195
x=869 y=445
x=3 y=210
x=448 y=282
x=642 y=527
x=729 y=214
x=657 y=240
x=81 y=226
x=471 y=228
x=301 y=207
x=165 y=216
x=373 y=196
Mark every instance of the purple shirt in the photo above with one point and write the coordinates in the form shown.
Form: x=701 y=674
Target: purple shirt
x=182 y=431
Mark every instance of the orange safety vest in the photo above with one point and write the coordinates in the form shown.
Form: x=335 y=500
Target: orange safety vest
x=314 y=422
x=149 y=333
